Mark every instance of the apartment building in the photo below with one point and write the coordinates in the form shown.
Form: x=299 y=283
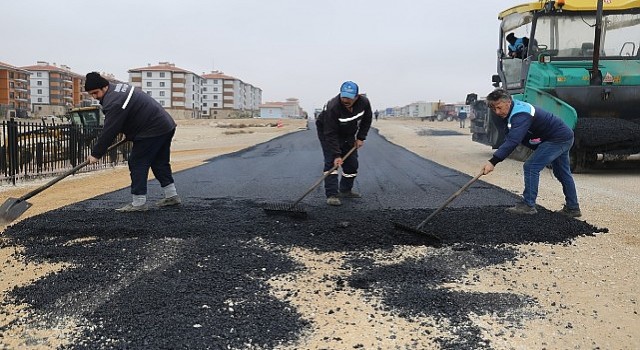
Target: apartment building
x=177 y=90
x=14 y=91
x=292 y=108
x=54 y=88
x=288 y=109
x=272 y=110
x=50 y=89
x=224 y=96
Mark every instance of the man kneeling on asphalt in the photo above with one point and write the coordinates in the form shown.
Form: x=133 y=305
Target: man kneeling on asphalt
x=343 y=124
x=144 y=122
x=551 y=140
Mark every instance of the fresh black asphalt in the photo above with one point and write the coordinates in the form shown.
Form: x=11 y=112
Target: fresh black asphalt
x=195 y=277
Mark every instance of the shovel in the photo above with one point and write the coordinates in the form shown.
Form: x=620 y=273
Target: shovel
x=291 y=209
x=12 y=208
x=418 y=229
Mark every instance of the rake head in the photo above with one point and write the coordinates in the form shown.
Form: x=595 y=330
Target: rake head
x=285 y=209
x=431 y=240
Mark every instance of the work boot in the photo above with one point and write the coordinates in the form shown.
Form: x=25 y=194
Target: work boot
x=333 y=200
x=569 y=212
x=350 y=194
x=167 y=202
x=132 y=208
x=522 y=208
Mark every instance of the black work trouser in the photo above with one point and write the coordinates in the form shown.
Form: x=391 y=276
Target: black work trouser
x=334 y=183
x=150 y=153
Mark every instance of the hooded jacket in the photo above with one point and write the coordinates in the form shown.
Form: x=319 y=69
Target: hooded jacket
x=336 y=124
x=530 y=126
x=132 y=112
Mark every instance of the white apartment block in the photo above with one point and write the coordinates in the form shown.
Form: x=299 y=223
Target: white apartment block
x=54 y=88
x=224 y=96
x=178 y=90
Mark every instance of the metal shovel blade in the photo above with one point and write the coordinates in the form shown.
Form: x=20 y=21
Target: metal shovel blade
x=12 y=208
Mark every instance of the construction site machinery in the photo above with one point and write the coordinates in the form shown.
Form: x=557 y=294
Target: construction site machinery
x=86 y=125
x=582 y=63
x=90 y=117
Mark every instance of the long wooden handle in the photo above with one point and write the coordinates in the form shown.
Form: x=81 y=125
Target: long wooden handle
x=454 y=196
x=319 y=181
x=67 y=173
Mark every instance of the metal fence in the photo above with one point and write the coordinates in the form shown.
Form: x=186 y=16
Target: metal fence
x=32 y=149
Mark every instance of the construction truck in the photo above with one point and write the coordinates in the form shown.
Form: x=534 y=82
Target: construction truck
x=582 y=63
x=86 y=124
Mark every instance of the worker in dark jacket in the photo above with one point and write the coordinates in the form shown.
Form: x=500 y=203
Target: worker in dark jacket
x=343 y=124
x=144 y=122
x=551 y=140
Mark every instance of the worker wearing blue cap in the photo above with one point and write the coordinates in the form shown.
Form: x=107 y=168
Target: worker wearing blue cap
x=343 y=123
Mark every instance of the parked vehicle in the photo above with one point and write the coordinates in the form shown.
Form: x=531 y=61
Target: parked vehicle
x=582 y=65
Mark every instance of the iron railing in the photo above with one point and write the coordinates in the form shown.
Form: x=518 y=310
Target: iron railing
x=32 y=149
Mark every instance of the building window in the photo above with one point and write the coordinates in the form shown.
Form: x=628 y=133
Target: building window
x=39 y=99
x=161 y=93
x=39 y=83
x=148 y=74
x=215 y=97
x=204 y=89
x=148 y=84
x=215 y=89
x=162 y=84
x=204 y=104
x=149 y=93
x=162 y=102
x=39 y=91
x=161 y=74
x=215 y=104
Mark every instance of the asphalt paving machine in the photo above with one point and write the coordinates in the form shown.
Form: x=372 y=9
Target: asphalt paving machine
x=582 y=63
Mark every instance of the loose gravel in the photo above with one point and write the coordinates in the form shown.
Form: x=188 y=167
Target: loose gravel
x=197 y=276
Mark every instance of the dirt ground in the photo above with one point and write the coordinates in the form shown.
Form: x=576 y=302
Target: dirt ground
x=588 y=288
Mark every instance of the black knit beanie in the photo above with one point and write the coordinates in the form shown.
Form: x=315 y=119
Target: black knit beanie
x=95 y=81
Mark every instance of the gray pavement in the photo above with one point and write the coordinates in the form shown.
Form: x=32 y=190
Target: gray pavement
x=281 y=170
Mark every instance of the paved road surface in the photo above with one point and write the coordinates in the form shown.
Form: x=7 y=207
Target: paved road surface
x=281 y=170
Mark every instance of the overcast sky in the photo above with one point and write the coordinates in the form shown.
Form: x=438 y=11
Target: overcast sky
x=399 y=51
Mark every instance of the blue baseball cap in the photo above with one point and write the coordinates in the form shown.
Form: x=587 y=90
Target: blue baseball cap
x=349 y=89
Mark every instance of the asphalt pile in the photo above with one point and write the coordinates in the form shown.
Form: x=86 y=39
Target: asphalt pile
x=195 y=277
x=624 y=132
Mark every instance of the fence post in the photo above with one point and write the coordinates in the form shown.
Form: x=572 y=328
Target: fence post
x=39 y=155
x=3 y=149
x=12 y=149
x=74 y=147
